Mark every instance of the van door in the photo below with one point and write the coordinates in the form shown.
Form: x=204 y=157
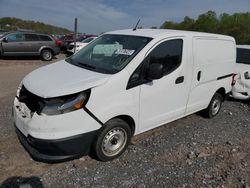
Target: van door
x=14 y=44
x=32 y=44
x=165 y=99
x=213 y=59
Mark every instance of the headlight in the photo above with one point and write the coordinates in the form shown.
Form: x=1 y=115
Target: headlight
x=19 y=89
x=64 y=104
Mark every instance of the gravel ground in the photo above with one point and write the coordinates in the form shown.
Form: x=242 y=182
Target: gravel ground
x=190 y=152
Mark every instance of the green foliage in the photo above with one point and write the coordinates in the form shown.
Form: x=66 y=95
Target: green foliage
x=236 y=25
x=7 y=23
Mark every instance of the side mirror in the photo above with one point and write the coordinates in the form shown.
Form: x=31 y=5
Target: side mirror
x=247 y=75
x=5 y=40
x=155 y=71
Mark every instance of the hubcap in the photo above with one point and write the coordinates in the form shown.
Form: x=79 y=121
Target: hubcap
x=46 y=55
x=216 y=106
x=114 y=141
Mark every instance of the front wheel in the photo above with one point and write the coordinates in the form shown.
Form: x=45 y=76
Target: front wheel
x=112 y=140
x=47 y=55
x=214 y=106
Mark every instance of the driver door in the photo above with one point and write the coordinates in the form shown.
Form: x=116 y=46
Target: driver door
x=14 y=44
x=165 y=99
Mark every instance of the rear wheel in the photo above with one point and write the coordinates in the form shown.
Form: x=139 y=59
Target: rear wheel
x=214 y=106
x=47 y=55
x=112 y=140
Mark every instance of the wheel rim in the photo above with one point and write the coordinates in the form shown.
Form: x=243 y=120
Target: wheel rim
x=216 y=106
x=47 y=55
x=114 y=141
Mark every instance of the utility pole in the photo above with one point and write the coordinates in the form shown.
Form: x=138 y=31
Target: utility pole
x=75 y=35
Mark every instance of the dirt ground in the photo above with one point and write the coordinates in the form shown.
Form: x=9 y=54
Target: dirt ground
x=190 y=152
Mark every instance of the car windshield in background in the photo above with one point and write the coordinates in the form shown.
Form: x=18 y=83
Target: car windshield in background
x=243 y=56
x=87 y=40
x=2 y=34
x=109 y=53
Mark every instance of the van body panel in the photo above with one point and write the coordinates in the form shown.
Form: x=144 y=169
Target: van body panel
x=112 y=99
x=213 y=58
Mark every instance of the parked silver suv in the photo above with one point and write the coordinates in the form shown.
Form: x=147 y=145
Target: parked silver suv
x=28 y=44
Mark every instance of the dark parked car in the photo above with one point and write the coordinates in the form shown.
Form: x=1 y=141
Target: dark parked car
x=28 y=44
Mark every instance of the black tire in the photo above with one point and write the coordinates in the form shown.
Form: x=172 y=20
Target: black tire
x=214 y=106
x=47 y=55
x=116 y=131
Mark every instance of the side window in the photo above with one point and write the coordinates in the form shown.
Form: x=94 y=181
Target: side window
x=31 y=37
x=45 y=38
x=15 y=37
x=138 y=76
x=243 y=56
x=169 y=54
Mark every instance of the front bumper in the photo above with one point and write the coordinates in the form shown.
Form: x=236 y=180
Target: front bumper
x=54 y=138
x=59 y=150
x=241 y=90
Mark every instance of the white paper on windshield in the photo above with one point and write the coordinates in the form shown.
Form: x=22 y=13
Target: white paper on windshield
x=124 y=52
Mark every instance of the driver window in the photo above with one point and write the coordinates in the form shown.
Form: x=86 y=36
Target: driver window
x=169 y=54
x=15 y=37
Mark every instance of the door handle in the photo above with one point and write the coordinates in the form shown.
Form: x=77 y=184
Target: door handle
x=199 y=76
x=179 y=80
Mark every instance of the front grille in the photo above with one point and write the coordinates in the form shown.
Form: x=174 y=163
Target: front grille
x=32 y=101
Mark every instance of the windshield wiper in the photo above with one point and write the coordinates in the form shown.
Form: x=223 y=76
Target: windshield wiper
x=86 y=65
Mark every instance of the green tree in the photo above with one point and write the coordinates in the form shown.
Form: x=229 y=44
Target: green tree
x=236 y=25
x=207 y=22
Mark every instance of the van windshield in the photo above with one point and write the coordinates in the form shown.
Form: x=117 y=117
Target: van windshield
x=109 y=53
x=243 y=56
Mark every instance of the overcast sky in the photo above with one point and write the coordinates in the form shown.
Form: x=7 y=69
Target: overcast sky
x=96 y=16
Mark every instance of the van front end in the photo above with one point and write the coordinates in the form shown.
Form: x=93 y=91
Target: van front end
x=53 y=131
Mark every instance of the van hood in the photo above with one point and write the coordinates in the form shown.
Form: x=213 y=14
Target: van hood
x=62 y=78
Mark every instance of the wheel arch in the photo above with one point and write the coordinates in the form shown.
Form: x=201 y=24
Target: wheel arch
x=46 y=48
x=222 y=91
x=128 y=119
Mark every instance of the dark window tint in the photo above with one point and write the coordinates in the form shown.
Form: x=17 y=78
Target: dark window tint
x=169 y=54
x=31 y=37
x=45 y=38
x=137 y=75
x=243 y=56
x=15 y=37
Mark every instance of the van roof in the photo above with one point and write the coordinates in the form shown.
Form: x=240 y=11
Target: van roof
x=155 y=33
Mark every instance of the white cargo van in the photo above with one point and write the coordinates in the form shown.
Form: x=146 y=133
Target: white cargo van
x=122 y=84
